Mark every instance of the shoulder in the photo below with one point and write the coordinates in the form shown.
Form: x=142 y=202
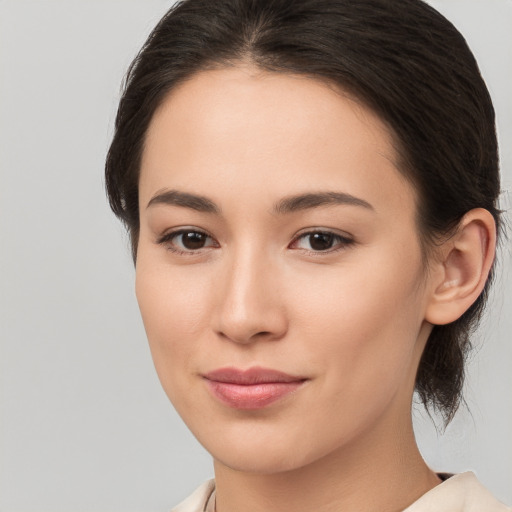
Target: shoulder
x=198 y=500
x=459 y=493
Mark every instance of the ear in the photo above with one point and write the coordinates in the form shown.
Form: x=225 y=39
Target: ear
x=462 y=267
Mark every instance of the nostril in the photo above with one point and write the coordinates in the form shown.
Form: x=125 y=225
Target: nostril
x=244 y=311
x=248 y=336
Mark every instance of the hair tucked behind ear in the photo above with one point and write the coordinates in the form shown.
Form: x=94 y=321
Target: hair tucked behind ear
x=402 y=59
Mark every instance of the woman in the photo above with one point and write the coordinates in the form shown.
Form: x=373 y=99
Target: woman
x=310 y=188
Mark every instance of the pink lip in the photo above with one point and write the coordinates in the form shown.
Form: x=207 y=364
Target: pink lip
x=254 y=388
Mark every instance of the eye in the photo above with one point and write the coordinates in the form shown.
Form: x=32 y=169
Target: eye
x=321 y=241
x=185 y=241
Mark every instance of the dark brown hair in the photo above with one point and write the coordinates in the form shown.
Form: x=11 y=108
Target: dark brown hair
x=402 y=59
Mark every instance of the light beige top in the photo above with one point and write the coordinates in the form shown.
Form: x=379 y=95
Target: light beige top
x=460 y=493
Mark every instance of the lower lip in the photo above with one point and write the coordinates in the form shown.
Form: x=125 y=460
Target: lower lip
x=254 y=396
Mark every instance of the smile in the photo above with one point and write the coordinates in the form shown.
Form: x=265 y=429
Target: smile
x=251 y=389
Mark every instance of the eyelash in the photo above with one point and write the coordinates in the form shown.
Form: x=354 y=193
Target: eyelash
x=340 y=242
x=167 y=238
x=343 y=242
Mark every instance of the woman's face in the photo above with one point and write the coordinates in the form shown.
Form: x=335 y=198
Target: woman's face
x=277 y=234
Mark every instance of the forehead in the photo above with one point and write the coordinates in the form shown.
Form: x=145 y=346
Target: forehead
x=282 y=104
x=252 y=130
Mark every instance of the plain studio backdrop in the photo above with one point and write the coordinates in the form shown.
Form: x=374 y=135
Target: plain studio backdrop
x=84 y=423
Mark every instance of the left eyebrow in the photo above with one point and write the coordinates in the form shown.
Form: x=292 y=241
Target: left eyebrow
x=314 y=200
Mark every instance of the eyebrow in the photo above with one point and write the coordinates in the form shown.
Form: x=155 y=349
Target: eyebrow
x=186 y=200
x=313 y=200
x=286 y=205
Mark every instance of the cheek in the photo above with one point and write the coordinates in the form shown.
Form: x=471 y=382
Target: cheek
x=362 y=320
x=174 y=306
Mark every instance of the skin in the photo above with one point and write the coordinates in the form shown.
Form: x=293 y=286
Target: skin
x=352 y=320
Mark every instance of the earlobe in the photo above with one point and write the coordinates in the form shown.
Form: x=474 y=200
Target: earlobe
x=463 y=267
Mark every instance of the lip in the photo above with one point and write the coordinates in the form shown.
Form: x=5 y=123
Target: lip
x=254 y=388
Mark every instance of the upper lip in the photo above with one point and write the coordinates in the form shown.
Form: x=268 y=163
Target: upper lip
x=254 y=375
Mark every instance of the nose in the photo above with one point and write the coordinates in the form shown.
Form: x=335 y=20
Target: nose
x=250 y=306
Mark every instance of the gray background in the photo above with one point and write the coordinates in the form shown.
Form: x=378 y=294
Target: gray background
x=84 y=424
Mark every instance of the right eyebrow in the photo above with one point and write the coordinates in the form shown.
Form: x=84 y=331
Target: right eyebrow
x=186 y=200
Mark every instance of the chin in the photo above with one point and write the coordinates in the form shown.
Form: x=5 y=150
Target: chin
x=260 y=450
x=262 y=461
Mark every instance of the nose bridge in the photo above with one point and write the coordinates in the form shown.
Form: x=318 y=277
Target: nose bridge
x=249 y=304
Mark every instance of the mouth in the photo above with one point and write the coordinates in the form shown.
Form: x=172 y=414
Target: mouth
x=254 y=388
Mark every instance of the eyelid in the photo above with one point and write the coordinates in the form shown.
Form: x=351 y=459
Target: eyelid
x=345 y=240
x=167 y=236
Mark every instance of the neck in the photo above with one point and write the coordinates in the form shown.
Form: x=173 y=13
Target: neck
x=368 y=475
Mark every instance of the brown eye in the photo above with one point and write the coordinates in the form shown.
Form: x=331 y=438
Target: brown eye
x=321 y=241
x=193 y=240
x=186 y=241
